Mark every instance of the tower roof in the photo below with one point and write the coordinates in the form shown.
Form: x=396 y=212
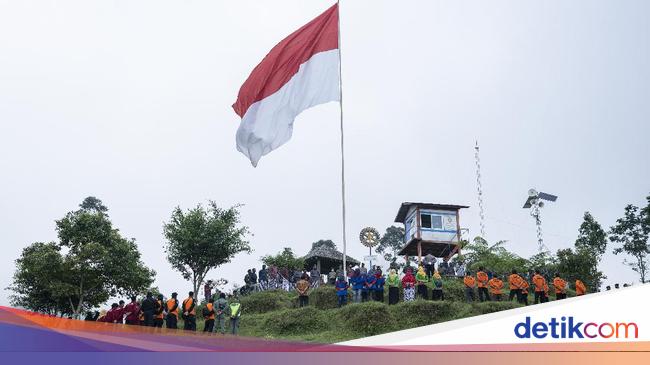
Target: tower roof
x=404 y=208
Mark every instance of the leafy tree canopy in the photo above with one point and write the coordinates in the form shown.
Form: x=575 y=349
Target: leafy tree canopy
x=203 y=238
x=632 y=231
x=284 y=259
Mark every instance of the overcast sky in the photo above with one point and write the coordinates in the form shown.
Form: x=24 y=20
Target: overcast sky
x=129 y=101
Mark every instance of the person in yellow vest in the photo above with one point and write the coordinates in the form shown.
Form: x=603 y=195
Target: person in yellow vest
x=208 y=315
x=581 y=289
x=189 y=313
x=496 y=288
x=482 y=281
x=539 y=282
x=515 y=284
x=159 y=312
x=171 y=307
x=560 y=287
x=469 y=282
x=234 y=310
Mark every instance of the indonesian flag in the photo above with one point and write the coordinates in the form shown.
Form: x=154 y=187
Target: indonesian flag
x=299 y=72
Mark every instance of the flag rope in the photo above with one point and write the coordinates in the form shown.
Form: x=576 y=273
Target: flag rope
x=338 y=5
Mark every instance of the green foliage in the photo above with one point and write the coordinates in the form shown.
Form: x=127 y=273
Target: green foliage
x=91 y=263
x=324 y=297
x=490 y=307
x=591 y=236
x=390 y=243
x=301 y=320
x=285 y=258
x=632 y=231
x=367 y=319
x=326 y=243
x=202 y=239
x=493 y=257
x=423 y=312
x=267 y=301
x=544 y=262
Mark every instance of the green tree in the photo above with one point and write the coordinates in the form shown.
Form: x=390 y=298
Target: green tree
x=391 y=243
x=285 y=258
x=493 y=257
x=591 y=236
x=37 y=278
x=202 y=239
x=91 y=263
x=579 y=264
x=326 y=243
x=632 y=231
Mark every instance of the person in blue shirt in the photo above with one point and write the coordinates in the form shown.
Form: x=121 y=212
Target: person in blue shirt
x=341 y=290
x=369 y=281
x=358 y=281
x=378 y=290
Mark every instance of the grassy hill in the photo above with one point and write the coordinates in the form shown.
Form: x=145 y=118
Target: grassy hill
x=275 y=314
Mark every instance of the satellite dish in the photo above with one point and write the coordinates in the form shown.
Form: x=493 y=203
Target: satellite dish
x=532 y=193
x=541 y=204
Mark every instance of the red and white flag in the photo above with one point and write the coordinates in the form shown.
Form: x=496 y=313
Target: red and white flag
x=299 y=72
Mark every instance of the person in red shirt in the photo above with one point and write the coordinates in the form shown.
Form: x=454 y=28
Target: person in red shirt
x=111 y=315
x=119 y=312
x=132 y=312
x=408 y=284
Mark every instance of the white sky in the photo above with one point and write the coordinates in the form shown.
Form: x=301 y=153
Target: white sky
x=130 y=101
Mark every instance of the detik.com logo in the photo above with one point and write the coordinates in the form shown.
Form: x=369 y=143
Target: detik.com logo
x=568 y=327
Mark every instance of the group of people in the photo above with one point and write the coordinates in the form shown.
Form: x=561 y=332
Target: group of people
x=274 y=278
x=491 y=286
x=154 y=312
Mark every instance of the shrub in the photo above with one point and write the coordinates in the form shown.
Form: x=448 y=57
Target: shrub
x=367 y=319
x=490 y=307
x=423 y=312
x=266 y=301
x=296 y=321
x=325 y=297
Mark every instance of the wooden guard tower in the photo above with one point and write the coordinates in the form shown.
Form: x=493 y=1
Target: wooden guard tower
x=430 y=229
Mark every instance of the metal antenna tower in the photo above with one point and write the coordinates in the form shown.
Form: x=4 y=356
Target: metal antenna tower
x=479 y=190
x=535 y=203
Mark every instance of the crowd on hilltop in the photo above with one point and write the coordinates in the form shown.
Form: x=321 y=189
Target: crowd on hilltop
x=358 y=282
x=424 y=281
x=155 y=311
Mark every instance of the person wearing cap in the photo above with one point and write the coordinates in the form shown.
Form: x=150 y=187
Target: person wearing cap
x=171 y=307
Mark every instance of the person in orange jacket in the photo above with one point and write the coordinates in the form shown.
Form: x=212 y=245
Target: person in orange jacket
x=581 y=289
x=546 y=292
x=496 y=288
x=539 y=282
x=524 y=292
x=189 y=313
x=159 y=312
x=515 y=284
x=482 y=280
x=469 y=282
x=560 y=287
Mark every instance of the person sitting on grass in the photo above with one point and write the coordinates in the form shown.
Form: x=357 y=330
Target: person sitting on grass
x=436 y=293
x=341 y=291
x=421 y=278
x=408 y=283
x=302 y=287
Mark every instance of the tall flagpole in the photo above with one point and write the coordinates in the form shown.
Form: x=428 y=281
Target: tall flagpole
x=345 y=274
